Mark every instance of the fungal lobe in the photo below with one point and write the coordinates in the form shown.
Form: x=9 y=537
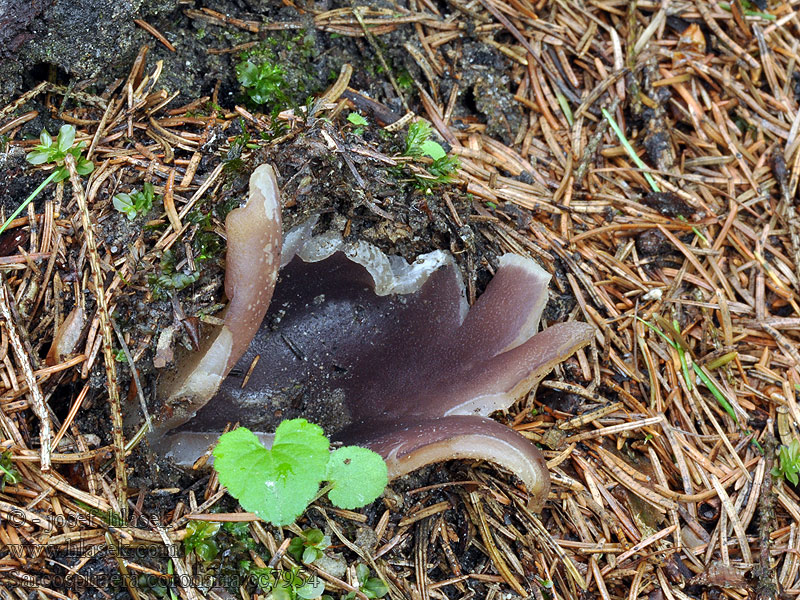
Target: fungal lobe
x=382 y=354
x=252 y=262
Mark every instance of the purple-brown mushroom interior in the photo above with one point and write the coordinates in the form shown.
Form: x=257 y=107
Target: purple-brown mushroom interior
x=408 y=375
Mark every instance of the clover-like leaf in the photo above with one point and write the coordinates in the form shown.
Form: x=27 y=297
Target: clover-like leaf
x=276 y=484
x=309 y=546
x=358 y=475
x=371 y=587
x=247 y=73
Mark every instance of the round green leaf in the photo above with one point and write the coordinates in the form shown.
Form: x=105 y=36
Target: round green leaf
x=314 y=536
x=310 y=555
x=207 y=550
x=362 y=573
x=124 y=204
x=281 y=592
x=356 y=119
x=276 y=484
x=45 y=138
x=358 y=475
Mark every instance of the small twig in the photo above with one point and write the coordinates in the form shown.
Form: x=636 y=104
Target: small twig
x=384 y=64
x=766 y=584
x=37 y=400
x=108 y=340
x=134 y=374
x=184 y=578
x=155 y=33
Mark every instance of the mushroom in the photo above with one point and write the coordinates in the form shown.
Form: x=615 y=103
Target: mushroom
x=382 y=353
x=251 y=270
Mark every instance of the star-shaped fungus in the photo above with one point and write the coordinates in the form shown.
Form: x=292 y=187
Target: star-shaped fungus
x=381 y=353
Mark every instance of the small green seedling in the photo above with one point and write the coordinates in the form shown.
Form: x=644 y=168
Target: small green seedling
x=289 y=584
x=171 y=572
x=359 y=121
x=789 y=458
x=309 y=546
x=263 y=82
x=546 y=586
x=8 y=473
x=278 y=484
x=53 y=151
x=419 y=144
x=136 y=203
x=201 y=539
x=371 y=587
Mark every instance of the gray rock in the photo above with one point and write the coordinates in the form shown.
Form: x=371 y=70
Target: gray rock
x=84 y=38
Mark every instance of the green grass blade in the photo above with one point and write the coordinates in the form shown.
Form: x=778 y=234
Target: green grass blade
x=562 y=102
x=712 y=387
x=28 y=200
x=685 y=369
x=631 y=152
x=659 y=332
x=749 y=13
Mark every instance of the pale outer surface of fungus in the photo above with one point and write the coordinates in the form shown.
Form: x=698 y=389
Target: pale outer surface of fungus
x=254 y=240
x=381 y=353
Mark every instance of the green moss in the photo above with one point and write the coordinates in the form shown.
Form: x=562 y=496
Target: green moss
x=206 y=244
x=161 y=284
x=404 y=80
x=278 y=73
